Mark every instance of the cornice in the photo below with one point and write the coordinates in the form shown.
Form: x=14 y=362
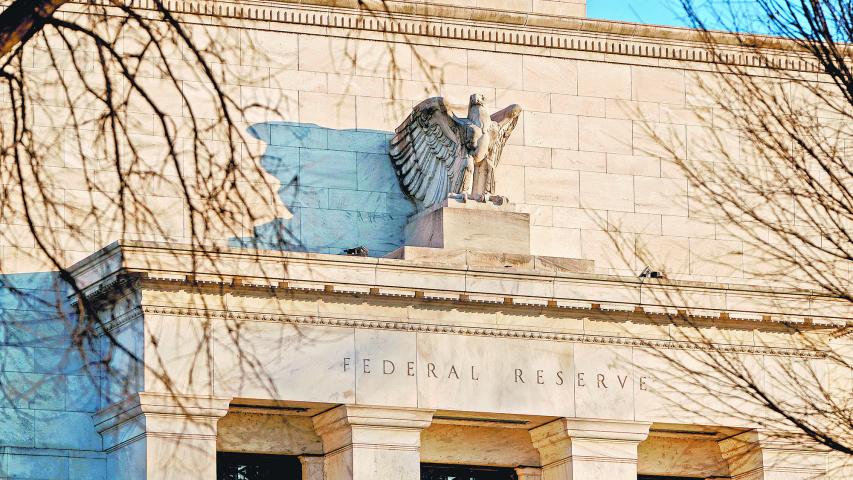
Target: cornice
x=149 y=266
x=263 y=271
x=439 y=9
x=415 y=19
x=121 y=319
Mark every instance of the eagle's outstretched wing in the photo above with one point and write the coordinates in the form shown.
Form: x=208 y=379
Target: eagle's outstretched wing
x=428 y=153
x=503 y=123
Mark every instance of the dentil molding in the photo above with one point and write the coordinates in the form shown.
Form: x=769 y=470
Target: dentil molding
x=140 y=312
x=422 y=327
x=430 y=19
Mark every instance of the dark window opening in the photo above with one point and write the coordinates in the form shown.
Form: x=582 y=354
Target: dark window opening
x=250 y=466
x=430 y=471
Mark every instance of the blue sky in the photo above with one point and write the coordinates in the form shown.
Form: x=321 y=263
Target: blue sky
x=742 y=15
x=659 y=12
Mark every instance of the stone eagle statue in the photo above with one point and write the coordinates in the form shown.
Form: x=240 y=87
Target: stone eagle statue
x=439 y=155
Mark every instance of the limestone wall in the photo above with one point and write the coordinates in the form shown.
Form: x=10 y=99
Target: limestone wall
x=46 y=394
x=584 y=160
x=581 y=162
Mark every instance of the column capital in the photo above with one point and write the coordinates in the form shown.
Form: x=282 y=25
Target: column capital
x=754 y=454
x=356 y=424
x=164 y=436
x=310 y=459
x=579 y=428
x=360 y=415
x=156 y=413
x=769 y=440
x=583 y=448
x=528 y=473
x=365 y=443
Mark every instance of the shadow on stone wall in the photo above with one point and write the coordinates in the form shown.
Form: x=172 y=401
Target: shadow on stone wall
x=339 y=185
x=47 y=395
x=343 y=192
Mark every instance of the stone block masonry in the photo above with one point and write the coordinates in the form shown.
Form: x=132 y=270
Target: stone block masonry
x=47 y=395
x=339 y=185
x=584 y=163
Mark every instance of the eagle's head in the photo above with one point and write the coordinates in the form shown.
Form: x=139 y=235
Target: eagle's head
x=478 y=99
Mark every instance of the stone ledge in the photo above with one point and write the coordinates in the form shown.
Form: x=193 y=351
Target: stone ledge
x=475 y=258
x=574 y=428
x=241 y=268
x=52 y=452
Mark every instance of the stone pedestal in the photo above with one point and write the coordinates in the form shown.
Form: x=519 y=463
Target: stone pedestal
x=471 y=225
x=573 y=449
x=161 y=437
x=367 y=443
x=478 y=235
x=757 y=455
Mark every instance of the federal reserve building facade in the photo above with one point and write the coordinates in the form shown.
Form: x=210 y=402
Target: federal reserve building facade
x=481 y=257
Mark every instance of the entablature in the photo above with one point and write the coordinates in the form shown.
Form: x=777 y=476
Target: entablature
x=175 y=267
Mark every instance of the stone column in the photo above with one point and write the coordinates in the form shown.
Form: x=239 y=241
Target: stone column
x=756 y=455
x=528 y=473
x=366 y=443
x=312 y=467
x=575 y=449
x=159 y=437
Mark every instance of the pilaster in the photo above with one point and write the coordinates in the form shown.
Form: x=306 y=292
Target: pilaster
x=576 y=449
x=366 y=443
x=158 y=437
x=312 y=467
x=756 y=455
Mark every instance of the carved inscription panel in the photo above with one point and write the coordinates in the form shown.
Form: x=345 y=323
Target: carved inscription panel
x=437 y=371
x=495 y=374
